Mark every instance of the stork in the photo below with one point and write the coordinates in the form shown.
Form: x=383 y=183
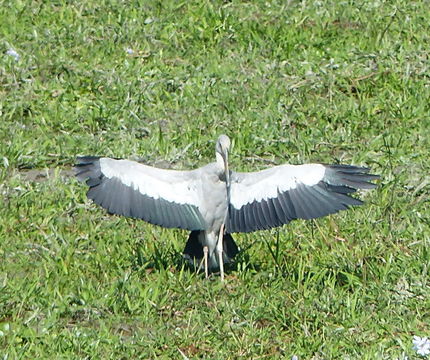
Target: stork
x=213 y=202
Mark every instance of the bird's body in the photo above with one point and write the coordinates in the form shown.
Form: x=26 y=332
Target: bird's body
x=210 y=180
x=214 y=202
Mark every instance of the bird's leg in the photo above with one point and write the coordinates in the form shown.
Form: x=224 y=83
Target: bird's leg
x=205 y=259
x=220 y=251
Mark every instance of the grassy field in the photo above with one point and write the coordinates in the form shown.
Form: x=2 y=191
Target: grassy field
x=288 y=81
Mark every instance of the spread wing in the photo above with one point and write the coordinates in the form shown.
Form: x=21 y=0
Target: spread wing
x=162 y=197
x=275 y=196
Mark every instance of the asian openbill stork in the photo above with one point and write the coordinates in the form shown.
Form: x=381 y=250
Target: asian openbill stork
x=214 y=202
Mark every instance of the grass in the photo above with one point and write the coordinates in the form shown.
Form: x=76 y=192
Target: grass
x=289 y=82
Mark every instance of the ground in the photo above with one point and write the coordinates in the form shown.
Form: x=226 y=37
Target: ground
x=288 y=81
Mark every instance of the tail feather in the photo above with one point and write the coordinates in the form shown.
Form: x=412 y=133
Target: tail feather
x=193 y=251
x=194 y=248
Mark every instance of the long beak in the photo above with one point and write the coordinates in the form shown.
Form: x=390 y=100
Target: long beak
x=227 y=172
x=227 y=181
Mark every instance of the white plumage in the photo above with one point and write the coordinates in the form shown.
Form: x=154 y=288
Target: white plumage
x=181 y=187
x=214 y=202
x=267 y=184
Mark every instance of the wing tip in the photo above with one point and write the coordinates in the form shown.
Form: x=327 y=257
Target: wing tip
x=354 y=177
x=87 y=167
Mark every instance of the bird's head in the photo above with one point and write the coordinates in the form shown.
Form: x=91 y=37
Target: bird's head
x=222 y=145
x=221 y=150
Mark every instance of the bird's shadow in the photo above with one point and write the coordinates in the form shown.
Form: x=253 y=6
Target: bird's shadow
x=169 y=259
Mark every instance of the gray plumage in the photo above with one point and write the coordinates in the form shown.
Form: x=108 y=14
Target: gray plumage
x=121 y=199
x=328 y=196
x=203 y=199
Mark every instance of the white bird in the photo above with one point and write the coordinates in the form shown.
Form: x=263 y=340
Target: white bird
x=214 y=202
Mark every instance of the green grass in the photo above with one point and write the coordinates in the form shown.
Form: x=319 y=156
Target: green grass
x=294 y=82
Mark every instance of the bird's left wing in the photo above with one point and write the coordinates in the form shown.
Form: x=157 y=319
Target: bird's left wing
x=162 y=197
x=275 y=196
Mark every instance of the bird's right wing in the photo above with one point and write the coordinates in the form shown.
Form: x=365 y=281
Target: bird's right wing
x=162 y=197
x=275 y=196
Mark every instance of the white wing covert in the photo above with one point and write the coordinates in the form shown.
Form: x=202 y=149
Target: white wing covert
x=162 y=197
x=275 y=196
